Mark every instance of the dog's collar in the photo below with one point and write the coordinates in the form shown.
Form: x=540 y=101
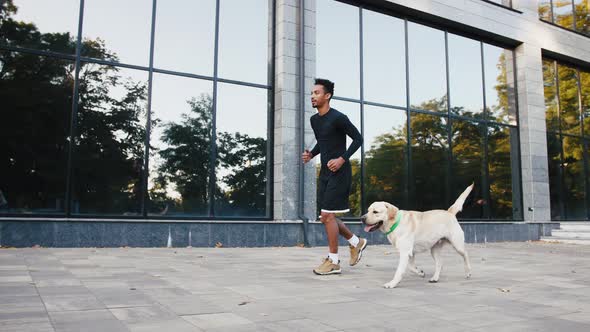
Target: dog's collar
x=398 y=218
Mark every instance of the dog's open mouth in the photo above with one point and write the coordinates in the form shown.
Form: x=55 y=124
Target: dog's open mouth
x=374 y=227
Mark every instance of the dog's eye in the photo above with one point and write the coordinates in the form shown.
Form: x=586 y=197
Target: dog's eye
x=375 y=212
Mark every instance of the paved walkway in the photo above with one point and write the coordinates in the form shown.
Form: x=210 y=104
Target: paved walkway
x=515 y=287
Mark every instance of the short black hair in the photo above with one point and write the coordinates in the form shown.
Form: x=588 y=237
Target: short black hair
x=327 y=84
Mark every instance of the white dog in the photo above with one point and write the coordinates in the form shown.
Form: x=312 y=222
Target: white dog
x=412 y=232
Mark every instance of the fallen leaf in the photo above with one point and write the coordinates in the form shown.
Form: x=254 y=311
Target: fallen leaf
x=243 y=303
x=504 y=290
x=218 y=245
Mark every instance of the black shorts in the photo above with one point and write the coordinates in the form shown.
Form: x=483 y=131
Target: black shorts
x=334 y=189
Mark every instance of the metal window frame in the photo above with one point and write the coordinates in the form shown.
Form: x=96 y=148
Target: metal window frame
x=78 y=59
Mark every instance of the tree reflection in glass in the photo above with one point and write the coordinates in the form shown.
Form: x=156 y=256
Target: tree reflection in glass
x=180 y=146
x=573 y=173
x=429 y=144
x=385 y=144
x=109 y=143
x=568 y=100
x=550 y=92
x=468 y=166
x=502 y=168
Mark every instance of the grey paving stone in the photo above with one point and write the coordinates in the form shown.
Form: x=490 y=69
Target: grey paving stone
x=217 y=320
x=41 y=326
x=137 y=315
x=86 y=321
x=515 y=287
x=72 y=302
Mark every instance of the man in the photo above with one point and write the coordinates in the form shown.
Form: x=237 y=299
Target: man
x=331 y=128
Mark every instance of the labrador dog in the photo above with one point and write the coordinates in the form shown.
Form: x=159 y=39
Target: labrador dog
x=412 y=232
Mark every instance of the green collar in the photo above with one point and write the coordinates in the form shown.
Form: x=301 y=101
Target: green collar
x=398 y=218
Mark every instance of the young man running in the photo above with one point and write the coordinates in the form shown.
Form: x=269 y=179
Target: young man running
x=331 y=128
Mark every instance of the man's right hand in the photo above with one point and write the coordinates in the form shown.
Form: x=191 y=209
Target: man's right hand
x=306 y=156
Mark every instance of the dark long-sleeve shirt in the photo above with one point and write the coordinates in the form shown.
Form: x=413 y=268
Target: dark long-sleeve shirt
x=330 y=131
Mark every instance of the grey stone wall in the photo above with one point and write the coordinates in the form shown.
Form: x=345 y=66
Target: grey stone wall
x=73 y=234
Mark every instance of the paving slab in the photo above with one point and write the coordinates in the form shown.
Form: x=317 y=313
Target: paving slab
x=527 y=286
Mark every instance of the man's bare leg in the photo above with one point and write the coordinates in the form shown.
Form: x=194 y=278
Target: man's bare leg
x=332 y=230
x=343 y=230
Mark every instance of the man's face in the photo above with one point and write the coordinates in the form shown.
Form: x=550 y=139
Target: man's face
x=319 y=97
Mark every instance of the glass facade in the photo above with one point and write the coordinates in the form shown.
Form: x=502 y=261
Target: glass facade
x=570 y=14
x=141 y=117
x=438 y=112
x=567 y=105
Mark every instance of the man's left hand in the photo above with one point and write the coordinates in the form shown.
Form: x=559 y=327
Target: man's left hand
x=335 y=164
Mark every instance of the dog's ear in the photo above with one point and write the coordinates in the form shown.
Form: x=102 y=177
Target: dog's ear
x=391 y=211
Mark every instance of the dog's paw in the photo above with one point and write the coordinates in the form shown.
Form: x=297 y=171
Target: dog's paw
x=468 y=276
x=390 y=285
x=432 y=281
x=422 y=274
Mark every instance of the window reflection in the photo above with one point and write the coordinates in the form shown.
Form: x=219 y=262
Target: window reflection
x=503 y=168
x=338 y=57
x=109 y=143
x=180 y=146
x=466 y=92
x=121 y=27
x=545 y=10
x=568 y=100
x=429 y=139
x=582 y=16
x=244 y=38
x=585 y=85
x=507 y=3
x=468 y=166
x=384 y=63
x=36 y=94
x=573 y=173
x=40 y=25
x=427 y=68
x=241 y=151
x=563 y=13
x=185 y=33
x=385 y=143
x=554 y=161
x=550 y=92
x=499 y=84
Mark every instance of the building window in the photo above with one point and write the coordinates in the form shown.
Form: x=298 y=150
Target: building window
x=505 y=3
x=570 y=14
x=138 y=116
x=567 y=113
x=437 y=110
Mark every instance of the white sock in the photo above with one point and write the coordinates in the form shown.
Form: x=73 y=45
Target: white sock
x=354 y=240
x=333 y=258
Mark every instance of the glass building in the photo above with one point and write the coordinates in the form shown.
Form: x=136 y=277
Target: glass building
x=187 y=113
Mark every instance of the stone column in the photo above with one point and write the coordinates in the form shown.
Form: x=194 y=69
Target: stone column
x=533 y=139
x=287 y=149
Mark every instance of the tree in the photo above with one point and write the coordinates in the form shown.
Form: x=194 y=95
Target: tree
x=37 y=93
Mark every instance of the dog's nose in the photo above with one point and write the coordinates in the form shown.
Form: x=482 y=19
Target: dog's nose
x=363 y=218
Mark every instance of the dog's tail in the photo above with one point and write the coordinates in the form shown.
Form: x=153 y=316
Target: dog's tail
x=458 y=205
